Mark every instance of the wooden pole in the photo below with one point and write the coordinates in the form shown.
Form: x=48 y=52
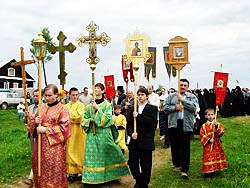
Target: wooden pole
x=93 y=83
x=135 y=97
x=126 y=87
x=215 y=119
x=39 y=113
x=179 y=88
x=24 y=86
x=92 y=67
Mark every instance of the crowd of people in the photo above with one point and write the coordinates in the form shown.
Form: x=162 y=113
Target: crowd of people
x=88 y=137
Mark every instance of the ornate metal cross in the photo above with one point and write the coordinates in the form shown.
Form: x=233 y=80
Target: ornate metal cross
x=61 y=48
x=92 y=40
x=22 y=64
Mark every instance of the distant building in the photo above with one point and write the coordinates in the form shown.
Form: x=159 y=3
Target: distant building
x=11 y=78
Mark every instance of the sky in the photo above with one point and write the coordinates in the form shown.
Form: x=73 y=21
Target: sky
x=218 y=33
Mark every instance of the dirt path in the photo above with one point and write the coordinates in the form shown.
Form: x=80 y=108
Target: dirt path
x=160 y=155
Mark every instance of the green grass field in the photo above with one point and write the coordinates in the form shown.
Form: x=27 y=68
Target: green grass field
x=15 y=156
x=237 y=148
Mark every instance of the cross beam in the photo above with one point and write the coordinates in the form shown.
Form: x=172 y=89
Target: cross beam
x=22 y=64
x=61 y=48
x=92 y=39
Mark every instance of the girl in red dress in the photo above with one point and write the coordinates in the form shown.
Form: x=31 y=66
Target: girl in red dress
x=214 y=158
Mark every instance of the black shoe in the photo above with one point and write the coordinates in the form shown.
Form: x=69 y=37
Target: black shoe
x=72 y=178
x=209 y=175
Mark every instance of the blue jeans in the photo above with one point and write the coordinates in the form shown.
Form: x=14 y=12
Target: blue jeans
x=20 y=115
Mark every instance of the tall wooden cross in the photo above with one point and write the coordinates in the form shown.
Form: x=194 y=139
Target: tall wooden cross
x=61 y=48
x=92 y=40
x=22 y=64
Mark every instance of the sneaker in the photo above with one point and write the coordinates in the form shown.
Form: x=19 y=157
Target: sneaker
x=184 y=175
x=162 y=137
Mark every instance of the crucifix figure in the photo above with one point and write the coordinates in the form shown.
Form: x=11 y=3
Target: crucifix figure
x=92 y=40
x=61 y=48
x=22 y=64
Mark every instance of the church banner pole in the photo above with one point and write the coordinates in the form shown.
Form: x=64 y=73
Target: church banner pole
x=92 y=39
x=177 y=56
x=179 y=88
x=135 y=68
x=40 y=46
x=136 y=52
x=220 y=89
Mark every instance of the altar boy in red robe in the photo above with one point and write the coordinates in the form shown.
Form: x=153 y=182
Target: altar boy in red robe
x=214 y=158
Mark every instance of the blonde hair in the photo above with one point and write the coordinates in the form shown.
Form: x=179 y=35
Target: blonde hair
x=209 y=110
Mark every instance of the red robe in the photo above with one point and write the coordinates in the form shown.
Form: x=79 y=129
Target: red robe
x=214 y=158
x=53 y=147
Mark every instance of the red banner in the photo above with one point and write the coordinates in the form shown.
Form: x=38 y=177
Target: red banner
x=110 y=86
x=127 y=68
x=220 y=86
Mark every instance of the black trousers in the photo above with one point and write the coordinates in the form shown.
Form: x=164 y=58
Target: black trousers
x=163 y=124
x=140 y=159
x=180 y=146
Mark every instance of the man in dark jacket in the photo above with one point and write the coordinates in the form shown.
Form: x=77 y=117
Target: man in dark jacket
x=121 y=95
x=141 y=144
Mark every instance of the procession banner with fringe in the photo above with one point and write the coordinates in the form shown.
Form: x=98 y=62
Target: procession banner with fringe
x=110 y=86
x=220 y=86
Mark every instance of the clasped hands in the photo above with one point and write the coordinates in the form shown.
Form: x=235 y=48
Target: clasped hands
x=179 y=107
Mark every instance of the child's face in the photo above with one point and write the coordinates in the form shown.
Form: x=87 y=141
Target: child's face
x=210 y=115
x=118 y=111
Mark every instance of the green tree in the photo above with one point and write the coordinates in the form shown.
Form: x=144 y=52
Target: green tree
x=49 y=40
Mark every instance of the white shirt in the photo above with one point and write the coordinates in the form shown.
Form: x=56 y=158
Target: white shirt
x=153 y=99
x=20 y=108
x=141 y=107
x=85 y=99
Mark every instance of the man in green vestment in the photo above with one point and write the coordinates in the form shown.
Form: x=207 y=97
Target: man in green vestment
x=103 y=159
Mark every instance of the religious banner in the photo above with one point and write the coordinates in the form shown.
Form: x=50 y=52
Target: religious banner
x=150 y=64
x=170 y=68
x=127 y=67
x=136 y=52
x=220 y=86
x=110 y=86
